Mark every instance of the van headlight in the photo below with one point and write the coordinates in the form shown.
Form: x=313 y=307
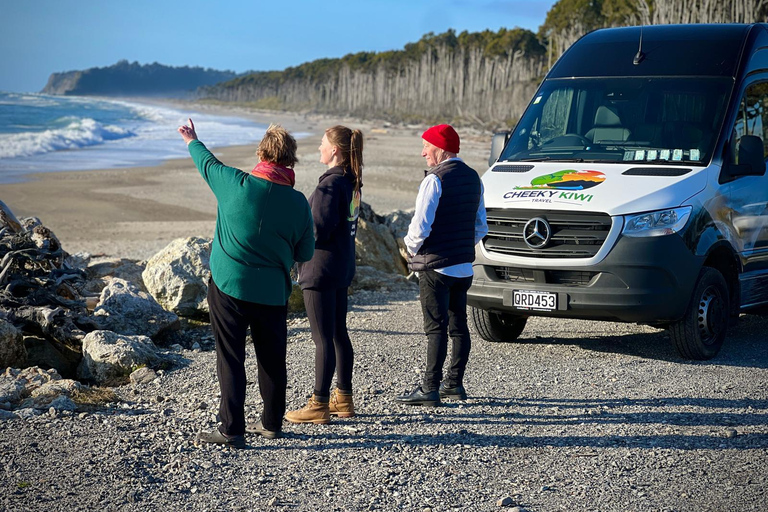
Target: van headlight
x=658 y=223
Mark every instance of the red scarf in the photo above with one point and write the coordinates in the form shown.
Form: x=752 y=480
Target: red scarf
x=275 y=173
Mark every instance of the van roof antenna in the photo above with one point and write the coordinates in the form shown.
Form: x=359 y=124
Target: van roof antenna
x=639 y=56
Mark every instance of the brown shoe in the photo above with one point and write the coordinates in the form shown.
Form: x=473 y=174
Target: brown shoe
x=314 y=412
x=341 y=404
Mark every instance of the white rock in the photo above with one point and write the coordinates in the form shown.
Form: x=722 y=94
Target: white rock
x=143 y=376
x=177 y=276
x=125 y=309
x=108 y=355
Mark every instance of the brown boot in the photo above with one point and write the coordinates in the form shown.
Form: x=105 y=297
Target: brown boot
x=341 y=404
x=314 y=412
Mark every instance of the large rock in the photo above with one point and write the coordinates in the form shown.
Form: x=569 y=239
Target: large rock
x=101 y=271
x=398 y=222
x=108 y=355
x=17 y=384
x=125 y=309
x=12 y=351
x=376 y=247
x=177 y=276
x=55 y=394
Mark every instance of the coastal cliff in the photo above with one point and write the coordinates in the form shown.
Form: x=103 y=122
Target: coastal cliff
x=133 y=79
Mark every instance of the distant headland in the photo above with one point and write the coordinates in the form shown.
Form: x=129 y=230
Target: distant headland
x=133 y=79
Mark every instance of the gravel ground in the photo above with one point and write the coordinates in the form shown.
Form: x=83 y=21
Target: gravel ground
x=576 y=416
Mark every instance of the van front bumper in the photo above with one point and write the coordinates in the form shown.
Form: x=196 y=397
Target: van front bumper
x=646 y=280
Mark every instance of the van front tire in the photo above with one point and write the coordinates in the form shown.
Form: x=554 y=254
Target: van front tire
x=497 y=327
x=701 y=332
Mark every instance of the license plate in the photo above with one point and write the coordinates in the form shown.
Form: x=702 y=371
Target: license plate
x=534 y=301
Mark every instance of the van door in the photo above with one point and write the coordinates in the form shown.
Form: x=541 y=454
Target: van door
x=748 y=197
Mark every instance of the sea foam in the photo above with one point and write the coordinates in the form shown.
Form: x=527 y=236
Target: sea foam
x=78 y=133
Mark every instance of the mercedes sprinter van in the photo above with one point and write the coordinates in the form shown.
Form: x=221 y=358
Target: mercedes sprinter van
x=634 y=188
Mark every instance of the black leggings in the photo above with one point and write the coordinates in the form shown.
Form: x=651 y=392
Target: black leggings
x=327 y=313
x=230 y=318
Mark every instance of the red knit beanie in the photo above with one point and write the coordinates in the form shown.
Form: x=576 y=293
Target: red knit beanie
x=443 y=136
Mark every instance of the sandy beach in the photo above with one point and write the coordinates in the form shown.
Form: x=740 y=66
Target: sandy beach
x=134 y=212
x=577 y=415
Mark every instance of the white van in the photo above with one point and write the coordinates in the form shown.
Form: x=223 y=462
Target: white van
x=633 y=188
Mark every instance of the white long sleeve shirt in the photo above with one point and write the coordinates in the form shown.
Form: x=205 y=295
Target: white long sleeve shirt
x=427 y=200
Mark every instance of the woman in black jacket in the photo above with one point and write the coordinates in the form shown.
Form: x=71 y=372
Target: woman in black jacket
x=325 y=279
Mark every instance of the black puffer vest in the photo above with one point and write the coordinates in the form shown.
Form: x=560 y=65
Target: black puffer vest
x=452 y=239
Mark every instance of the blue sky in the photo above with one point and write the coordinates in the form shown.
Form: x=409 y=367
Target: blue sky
x=39 y=37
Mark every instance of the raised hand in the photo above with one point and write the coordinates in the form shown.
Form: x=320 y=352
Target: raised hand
x=188 y=131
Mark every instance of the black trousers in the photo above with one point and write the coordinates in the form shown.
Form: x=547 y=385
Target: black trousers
x=230 y=319
x=444 y=304
x=327 y=313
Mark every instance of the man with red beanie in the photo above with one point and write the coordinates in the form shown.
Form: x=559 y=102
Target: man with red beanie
x=448 y=221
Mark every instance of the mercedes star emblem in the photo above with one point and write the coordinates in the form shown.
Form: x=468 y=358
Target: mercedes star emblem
x=537 y=233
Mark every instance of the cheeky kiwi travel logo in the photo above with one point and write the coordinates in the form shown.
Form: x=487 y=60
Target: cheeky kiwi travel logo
x=558 y=186
x=569 y=179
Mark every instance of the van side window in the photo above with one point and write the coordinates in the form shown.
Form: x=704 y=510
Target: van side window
x=752 y=118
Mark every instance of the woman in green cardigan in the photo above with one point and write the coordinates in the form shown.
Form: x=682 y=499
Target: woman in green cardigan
x=263 y=225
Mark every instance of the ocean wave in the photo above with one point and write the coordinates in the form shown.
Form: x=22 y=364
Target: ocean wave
x=79 y=133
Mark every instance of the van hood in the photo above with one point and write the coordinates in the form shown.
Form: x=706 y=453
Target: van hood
x=615 y=189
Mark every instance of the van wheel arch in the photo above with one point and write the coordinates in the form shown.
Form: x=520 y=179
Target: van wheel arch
x=723 y=259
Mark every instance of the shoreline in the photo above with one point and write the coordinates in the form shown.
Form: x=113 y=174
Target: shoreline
x=133 y=212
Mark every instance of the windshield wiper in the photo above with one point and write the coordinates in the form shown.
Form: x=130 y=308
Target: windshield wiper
x=550 y=159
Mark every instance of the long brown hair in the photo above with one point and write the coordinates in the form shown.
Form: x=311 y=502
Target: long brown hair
x=350 y=144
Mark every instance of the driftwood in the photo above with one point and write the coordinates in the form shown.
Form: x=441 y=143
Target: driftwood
x=38 y=292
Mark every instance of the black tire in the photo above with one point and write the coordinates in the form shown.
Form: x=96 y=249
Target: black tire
x=701 y=332
x=497 y=327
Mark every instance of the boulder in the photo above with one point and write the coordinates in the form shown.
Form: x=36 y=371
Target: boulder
x=376 y=247
x=125 y=309
x=55 y=394
x=12 y=351
x=398 y=222
x=101 y=271
x=54 y=388
x=17 y=384
x=108 y=355
x=143 y=375
x=177 y=277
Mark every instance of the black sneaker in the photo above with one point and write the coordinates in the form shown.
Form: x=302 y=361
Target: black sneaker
x=216 y=437
x=454 y=393
x=257 y=428
x=420 y=397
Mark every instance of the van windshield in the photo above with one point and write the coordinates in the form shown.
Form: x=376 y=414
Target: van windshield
x=643 y=120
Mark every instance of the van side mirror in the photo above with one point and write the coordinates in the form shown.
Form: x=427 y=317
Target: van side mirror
x=498 y=142
x=751 y=158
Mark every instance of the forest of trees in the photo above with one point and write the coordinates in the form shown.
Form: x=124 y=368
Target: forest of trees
x=482 y=78
x=133 y=79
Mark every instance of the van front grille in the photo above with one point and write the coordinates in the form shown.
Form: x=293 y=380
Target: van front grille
x=514 y=274
x=526 y=275
x=574 y=234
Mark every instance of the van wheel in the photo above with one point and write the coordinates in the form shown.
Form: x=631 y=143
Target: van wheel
x=701 y=332
x=497 y=327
